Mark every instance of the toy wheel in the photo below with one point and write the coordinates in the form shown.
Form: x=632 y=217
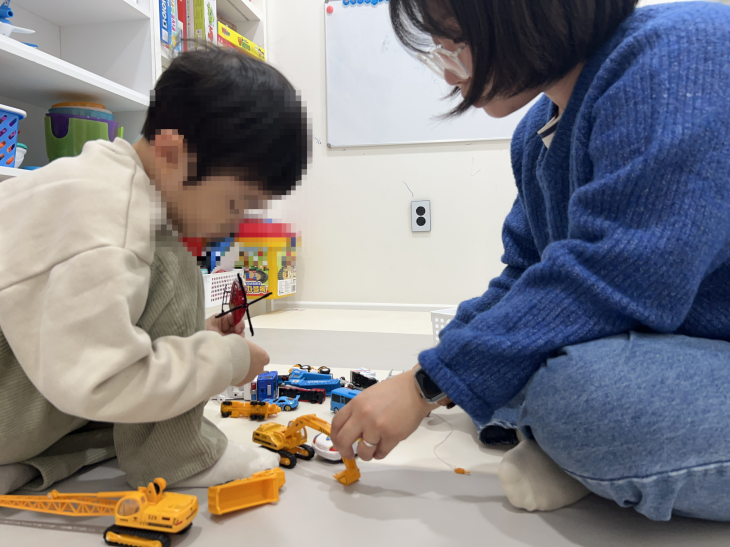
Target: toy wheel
x=121 y=535
x=188 y=527
x=285 y=378
x=288 y=461
x=287 y=407
x=226 y=403
x=324 y=370
x=336 y=410
x=225 y=414
x=309 y=450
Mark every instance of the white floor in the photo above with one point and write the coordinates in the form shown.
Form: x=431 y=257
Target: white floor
x=410 y=498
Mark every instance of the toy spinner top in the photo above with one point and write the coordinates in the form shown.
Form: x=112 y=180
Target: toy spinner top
x=238 y=303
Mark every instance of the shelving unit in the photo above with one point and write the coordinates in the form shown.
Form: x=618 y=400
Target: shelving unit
x=7 y=173
x=98 y=51
x=46 y=80
x=247 y=15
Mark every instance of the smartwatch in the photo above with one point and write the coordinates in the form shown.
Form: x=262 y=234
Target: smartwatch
x=428 y=388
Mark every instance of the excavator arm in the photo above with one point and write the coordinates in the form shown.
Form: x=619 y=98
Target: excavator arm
x=75 y=505
x=351 y=474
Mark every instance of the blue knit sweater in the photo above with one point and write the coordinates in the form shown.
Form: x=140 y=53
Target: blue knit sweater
x=623 y=224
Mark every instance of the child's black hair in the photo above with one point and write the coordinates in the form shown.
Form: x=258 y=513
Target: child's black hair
x=238 y=115
x=516 y=45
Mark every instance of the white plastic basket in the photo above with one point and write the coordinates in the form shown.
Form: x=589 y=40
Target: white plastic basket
x=439 y=319
x=216 y=286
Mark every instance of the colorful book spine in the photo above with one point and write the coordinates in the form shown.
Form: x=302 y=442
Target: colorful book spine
x=182 y=22
x=203 y=21
x=165 y=22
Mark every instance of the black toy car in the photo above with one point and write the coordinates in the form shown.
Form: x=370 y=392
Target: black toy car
x=317 y=395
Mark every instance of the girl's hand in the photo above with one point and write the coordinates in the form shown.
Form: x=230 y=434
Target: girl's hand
x=383 y=415
x=224 y=325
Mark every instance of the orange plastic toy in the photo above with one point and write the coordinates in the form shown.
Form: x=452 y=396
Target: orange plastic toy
x=256 y=410
x=143 y=518
x=259 y=489
x=289 y=441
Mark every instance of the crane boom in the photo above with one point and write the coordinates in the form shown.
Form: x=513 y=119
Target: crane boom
x=76 y=505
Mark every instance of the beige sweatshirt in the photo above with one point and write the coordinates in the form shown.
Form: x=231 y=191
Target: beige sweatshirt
x=76 y=247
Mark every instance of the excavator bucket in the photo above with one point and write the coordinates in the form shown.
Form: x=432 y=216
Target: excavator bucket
x=350 y=475
x=259 y=489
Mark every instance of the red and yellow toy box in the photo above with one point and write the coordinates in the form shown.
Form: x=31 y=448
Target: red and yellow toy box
x=267 y=252
x=230 y=38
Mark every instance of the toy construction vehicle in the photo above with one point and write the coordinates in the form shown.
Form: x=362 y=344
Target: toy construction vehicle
x=289 y=441
x=259 y=489
x=144 y=518
x=256 y=410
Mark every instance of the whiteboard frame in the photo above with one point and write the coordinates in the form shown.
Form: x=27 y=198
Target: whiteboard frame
x=408 y=143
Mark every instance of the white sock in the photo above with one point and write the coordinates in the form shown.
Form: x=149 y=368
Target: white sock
x=534 y=482
x=237 y=462
x=15 y=475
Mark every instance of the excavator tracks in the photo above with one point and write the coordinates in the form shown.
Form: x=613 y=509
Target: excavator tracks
x=132 y=537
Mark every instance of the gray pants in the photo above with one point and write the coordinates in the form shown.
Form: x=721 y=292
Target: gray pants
x=34 y=432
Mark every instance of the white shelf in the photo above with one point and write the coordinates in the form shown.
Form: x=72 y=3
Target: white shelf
x=7 y=173
x=84 y=12
x=35 y=77
x=238 y=10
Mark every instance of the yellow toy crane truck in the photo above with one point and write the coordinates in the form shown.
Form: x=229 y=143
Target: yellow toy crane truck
x=144 y=518
x=256 y=410
x=289 y=441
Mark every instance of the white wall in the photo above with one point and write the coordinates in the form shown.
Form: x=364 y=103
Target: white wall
x=354 y=209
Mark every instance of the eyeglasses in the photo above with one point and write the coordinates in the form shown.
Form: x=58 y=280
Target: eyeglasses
x=439 y=60
x=238 y=303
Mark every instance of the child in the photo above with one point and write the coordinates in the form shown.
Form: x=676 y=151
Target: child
x=609 y=328
x=103 y=345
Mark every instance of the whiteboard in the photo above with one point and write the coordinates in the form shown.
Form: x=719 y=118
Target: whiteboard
x=378 y=93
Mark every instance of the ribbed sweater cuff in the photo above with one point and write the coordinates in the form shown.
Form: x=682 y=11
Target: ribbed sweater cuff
x=240 y=357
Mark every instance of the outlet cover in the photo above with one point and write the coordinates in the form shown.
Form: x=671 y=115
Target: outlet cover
x=420 y=216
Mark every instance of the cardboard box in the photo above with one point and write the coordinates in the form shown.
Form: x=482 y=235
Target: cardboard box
x=268 y=255
x=228 y=24
x=230 y=38
x=178 y=25
x=203 y=21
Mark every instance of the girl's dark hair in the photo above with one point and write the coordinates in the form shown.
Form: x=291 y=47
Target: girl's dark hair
x=516 y=45
x=238 y=115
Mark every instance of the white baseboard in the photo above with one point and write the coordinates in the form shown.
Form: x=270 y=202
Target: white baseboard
x=367 y=306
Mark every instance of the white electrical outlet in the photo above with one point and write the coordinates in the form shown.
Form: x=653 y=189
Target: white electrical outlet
x=420 y=216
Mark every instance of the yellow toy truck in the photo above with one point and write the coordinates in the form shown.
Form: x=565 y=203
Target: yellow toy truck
x=259 y=489
x=256 y=410
x=144 y=518
x=289 y=442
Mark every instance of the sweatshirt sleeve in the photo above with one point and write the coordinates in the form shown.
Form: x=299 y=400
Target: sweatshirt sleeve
x=74 y=335
x=519 y=251
x=651 y=223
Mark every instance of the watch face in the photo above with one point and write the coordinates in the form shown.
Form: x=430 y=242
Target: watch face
x=428 y=387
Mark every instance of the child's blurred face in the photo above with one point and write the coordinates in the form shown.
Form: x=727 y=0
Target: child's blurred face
x=210 y=208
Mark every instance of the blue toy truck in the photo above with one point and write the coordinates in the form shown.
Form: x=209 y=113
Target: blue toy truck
x=266 y=386
x=341 y=396
x=310 y=380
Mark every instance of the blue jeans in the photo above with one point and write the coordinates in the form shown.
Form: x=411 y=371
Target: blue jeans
x=642 y=419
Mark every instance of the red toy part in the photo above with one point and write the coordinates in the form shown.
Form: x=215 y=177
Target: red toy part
x=238 y=298
x=330 y=9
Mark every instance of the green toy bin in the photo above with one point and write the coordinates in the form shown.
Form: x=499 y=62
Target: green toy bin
x=66 y=134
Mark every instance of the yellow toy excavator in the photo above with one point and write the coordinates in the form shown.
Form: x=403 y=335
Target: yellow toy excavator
x=143 y=518
x=289 y=441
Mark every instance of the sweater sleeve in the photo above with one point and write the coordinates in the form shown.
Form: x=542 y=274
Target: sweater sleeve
x=75 y=337
x=648 y=226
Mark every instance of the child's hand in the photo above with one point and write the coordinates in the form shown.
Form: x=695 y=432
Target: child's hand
x=259 y=359
x=224 y=325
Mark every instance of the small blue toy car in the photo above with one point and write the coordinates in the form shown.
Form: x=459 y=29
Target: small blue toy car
x=285 y=403
x=341 y=396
